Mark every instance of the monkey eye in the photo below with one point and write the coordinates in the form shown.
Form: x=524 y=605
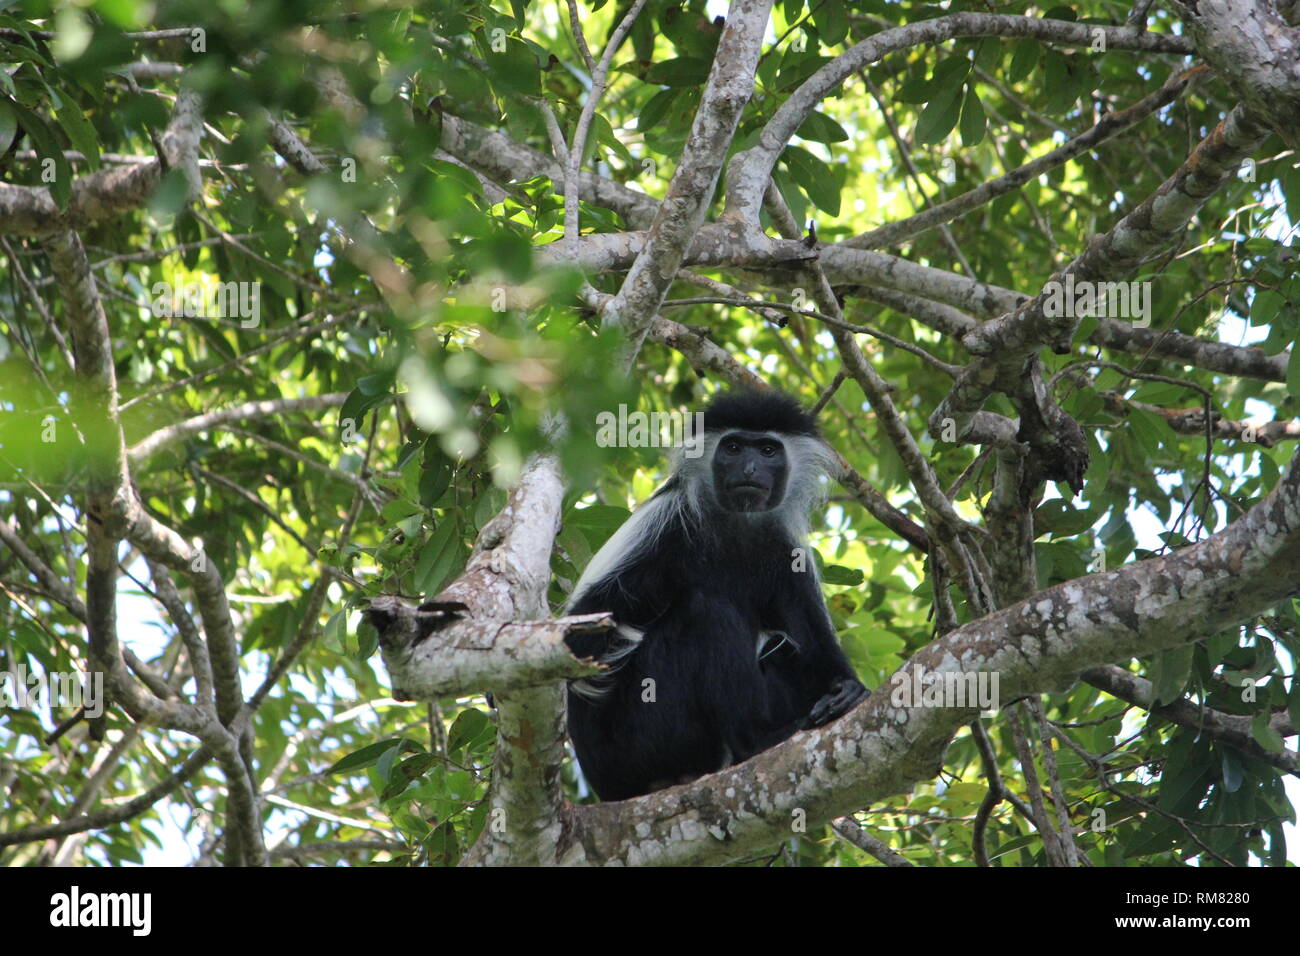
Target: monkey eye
x=732 y=447
x=768 y=450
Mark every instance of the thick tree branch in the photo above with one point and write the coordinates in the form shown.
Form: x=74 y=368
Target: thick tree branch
x=96 y=412
x=942 y=300
x=1229 y=728
x=503 y=584
x=114 y=513
x=728 y=89
x=32 y=211
x=428 y=659
x=506 y=161
x=1255 y=50
x=1003 y=344
x=881 y=748
x=1139 y=237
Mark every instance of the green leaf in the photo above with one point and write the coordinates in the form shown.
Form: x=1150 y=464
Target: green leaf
x=603 y=134
x=939 y=116
x=832 y=21
x=488 y=504
x=434 y=477
x=411 y=768
x=973 y=120
x=1293 y=702
x=1188 y=773
x=1023 y=60
x=335 y=631
x=469 y=725
x=1169 y=677
x=680 y=71
x=820 y=128
x=1233 y=772
x=839 y=574
x=655 y=110
x=1060 y=519
x=360 y=400
x=470 y=186
x=171 y=195
x=797 y=68
x=950 y=73
x=815 y=178
x=384 y=765
x=1293 y=372
x=397 y=510
x=989 y=54
x=8 y=126
x=438 y=557
x=879 y=642
x=1265 y=305
x=80 y=133
x=370 y=754
x=1276 y=843
x=515 y=70
x=597 y=522
x=1290 y=182
x=1149 y=429
x=408 y=452
x=1161 y=393
x=1155 y=835
x=1264 y=734
x=1062 y=82
x=47 y=148
x=400 y=777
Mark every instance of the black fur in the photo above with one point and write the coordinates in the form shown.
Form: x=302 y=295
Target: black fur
x=702 y=595
x=758 y=412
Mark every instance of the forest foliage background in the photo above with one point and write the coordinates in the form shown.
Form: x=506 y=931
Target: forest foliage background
x=417 y=323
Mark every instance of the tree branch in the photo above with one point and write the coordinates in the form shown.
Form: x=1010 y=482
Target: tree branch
x=882 y=748
x=32 y=211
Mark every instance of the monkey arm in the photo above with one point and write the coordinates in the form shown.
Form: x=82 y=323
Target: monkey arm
x=830 y=677
x=637 y=594
x=809 y=621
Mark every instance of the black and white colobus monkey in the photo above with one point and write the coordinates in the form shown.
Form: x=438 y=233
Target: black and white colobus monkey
x=724 y=646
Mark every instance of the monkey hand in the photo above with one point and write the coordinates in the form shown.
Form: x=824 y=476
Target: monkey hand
x=845 y=694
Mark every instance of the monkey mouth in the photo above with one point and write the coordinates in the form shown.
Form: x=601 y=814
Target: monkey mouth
x=748 y=497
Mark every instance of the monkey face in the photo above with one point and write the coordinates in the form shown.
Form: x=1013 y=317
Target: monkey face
x=749 y=471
